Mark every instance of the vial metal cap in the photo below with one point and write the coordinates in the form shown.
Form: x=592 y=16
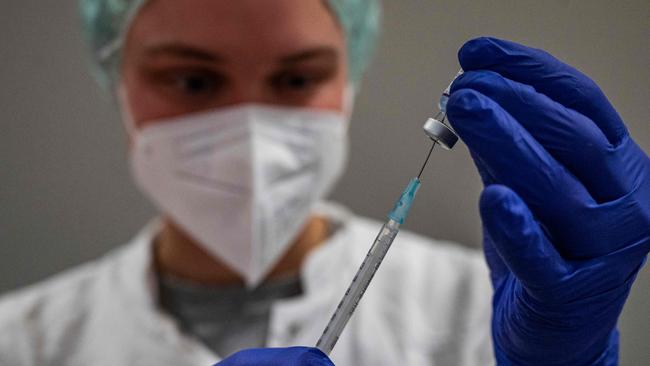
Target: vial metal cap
x=440 y=133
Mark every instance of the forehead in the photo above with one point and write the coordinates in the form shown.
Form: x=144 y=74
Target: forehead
x=260 y=28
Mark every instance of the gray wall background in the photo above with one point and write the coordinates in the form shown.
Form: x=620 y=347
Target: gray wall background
x=66 y=194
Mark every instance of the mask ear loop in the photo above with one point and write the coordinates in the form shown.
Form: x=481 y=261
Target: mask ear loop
x=349 y=96
x=125 y=112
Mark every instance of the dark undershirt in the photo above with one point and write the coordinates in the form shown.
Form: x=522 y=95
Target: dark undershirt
x=225 y=319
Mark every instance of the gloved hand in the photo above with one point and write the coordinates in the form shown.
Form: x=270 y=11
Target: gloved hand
x=292 y=356
x=566 y=207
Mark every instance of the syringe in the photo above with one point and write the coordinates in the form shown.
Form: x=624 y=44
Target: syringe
x=368 y=268
x=439 y=133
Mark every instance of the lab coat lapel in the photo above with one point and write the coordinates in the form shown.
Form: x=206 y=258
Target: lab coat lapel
x=128 y=313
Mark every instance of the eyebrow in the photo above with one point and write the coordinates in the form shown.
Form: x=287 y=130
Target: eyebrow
x=185 y=51
x=324 y=52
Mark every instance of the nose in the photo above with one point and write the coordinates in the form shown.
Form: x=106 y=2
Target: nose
x=245 y=93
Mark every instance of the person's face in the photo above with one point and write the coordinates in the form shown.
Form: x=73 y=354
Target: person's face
x=187 y=56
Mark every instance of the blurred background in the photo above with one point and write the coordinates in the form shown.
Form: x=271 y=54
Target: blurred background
x=65 y=191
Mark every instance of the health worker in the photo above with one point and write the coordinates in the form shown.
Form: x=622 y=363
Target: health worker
x=237 y=115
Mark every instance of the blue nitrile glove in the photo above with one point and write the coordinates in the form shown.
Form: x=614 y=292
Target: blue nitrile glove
x=566 y=208
x=292 y=356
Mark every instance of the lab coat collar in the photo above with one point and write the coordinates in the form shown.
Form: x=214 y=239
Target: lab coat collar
x=289 y=321
x=137 y=278
x=139 y=281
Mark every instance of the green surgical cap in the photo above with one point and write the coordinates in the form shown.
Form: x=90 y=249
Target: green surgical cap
x=105 y=23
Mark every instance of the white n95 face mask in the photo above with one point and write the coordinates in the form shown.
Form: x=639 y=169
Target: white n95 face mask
x=242 y=181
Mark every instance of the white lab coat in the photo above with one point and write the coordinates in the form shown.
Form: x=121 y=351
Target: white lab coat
x=429 y=304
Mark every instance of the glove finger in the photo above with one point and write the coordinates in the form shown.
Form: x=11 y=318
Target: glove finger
x=570 y=137
x=498 y=269
x=514 y=158
x=291 y=356
x=547 y=75
x=519 y=239
x=483 y=172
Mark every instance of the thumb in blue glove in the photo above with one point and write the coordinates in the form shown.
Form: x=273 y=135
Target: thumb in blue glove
x=292 y=356
x=566 y=208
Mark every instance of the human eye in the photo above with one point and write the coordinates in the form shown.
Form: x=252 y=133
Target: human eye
x=189 y=82
x=299 y=81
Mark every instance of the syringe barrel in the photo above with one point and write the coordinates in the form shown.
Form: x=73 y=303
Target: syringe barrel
x=358 y=287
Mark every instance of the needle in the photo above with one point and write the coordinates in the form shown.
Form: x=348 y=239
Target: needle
x=426 y=160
